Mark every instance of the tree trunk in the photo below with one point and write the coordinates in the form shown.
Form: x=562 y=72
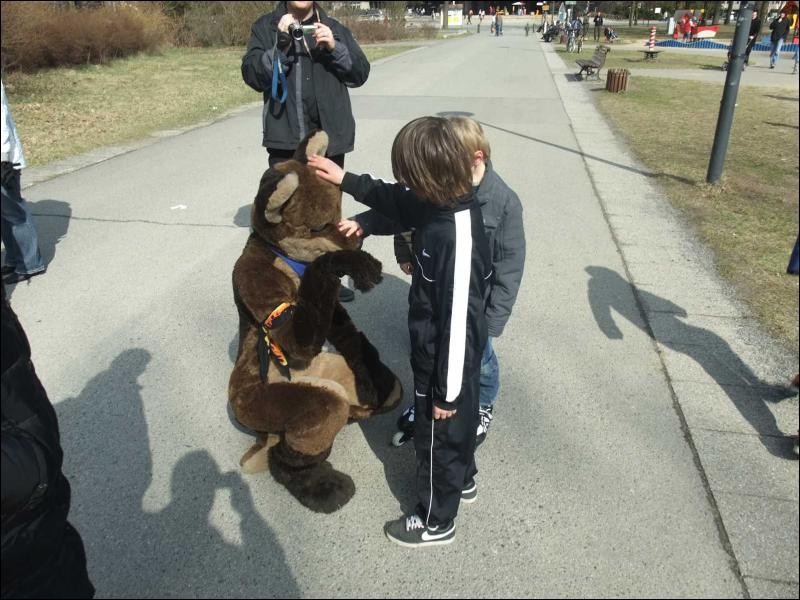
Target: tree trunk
x=730 y=12
x=630 y=14
x=763 y=10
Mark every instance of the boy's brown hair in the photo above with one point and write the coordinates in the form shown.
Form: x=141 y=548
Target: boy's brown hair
x=471 y=133
x=433 y=161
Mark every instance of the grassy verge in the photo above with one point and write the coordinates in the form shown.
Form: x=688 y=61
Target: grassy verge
x=751 y=220
x=632 y=59
x=64 y=112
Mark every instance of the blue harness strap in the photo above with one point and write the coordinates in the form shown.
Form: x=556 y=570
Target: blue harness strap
x=297 y=266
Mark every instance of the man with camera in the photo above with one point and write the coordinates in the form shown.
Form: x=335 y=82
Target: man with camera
x=303 y=61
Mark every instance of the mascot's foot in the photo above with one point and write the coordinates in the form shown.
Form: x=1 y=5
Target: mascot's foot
x=255 y=460
x=320 y=487
x=359 y=412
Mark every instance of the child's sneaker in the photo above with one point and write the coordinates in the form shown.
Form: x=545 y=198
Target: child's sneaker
x=485 y=415
x=412 y=532
x=405 y=423
x=469 y=492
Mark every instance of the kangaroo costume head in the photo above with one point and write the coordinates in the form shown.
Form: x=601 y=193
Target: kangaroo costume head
x=296 y=211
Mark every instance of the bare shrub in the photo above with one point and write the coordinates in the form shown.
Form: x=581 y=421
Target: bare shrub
x=49 y=34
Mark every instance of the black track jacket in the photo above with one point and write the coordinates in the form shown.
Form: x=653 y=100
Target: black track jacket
x=447 y=300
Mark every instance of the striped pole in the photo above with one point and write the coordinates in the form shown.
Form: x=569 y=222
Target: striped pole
x=652 y=38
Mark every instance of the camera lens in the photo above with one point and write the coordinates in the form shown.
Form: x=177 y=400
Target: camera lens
x=296 y=31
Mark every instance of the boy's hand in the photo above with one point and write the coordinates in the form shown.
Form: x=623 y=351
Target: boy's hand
x=326 y=169
x=439 y=414
x=406 y=267
x=349 y=227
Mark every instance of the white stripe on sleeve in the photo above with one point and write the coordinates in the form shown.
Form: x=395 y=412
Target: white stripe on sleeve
x=458 y=314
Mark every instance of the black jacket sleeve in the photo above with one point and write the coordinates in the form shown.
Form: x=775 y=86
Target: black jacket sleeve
x=257 y=61
x=374 y=223
x=394 y=201
x=508 y=262
x=349 y=61
x=403 y=252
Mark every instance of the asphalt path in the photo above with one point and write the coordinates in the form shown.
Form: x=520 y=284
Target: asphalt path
x=587 y=485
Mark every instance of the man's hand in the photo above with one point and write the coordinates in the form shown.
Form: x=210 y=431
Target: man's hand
x=286 y=20
x=324 y=37
x=350 y=227
x=326 y=169
x=439 y=414
x=406 y=267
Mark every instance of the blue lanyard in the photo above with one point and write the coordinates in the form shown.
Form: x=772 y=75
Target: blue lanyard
x=277 y=73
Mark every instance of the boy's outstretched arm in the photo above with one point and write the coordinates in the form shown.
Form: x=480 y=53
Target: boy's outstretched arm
x=392 y=200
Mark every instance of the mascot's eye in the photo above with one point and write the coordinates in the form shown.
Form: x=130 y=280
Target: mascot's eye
x=319 y=229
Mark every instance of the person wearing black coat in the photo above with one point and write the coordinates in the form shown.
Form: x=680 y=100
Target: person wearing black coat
x=752 y=37
x=780 y=30
x=304 y=81
x=42 y=554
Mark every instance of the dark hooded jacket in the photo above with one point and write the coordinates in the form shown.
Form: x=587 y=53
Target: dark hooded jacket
x=42 y=554
x=320 y=100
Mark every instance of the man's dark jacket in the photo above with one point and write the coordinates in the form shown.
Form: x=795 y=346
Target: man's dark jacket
x=780 y=29
x=42 y=554
x=332 y=73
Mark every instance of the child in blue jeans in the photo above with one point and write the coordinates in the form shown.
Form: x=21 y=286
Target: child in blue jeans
x=502 y=217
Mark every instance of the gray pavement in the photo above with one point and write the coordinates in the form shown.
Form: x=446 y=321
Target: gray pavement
x=620 y=462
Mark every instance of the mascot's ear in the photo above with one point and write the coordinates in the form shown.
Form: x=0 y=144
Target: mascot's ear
x=315 y=142
x=281 y=194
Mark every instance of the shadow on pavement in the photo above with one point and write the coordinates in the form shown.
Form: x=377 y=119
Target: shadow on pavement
x=242 y=216
x=174 y=552
x=382 y=314
x=608 y=290
x=51 y=219
x=649 y=174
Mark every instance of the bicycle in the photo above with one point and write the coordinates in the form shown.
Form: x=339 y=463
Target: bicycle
x=570 y=41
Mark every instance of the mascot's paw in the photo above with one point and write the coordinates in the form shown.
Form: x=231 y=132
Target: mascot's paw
x=365 y=270
x=320 y=487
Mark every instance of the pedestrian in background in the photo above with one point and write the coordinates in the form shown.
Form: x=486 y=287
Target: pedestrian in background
x=598 y=26
x=17 y=229
x=780 y=30
x=752 y=38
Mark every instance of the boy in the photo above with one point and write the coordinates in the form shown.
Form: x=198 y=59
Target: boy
x=446 y=319
x=502 y=219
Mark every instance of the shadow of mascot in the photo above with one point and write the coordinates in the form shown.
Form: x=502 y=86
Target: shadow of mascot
x=285 y=387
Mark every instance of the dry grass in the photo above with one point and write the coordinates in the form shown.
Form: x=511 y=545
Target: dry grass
x=751 y=219
x=64 y=112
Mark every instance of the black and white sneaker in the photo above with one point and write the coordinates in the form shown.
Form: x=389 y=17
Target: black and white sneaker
x=485 y=415
x=469 y=493
x=405 y=426
x=412 y=532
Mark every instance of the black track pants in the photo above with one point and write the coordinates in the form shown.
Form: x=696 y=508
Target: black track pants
x=445 y=453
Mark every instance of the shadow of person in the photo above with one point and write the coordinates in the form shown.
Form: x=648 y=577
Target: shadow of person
x=171 y=553
x=382 y=314
x=242 y=216
x=52 y=222
x=608 y=290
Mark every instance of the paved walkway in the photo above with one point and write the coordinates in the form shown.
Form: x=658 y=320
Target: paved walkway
x=758 y=75
x=633 y=452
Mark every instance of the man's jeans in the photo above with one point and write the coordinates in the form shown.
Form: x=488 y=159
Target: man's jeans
x=490 y=376
x=773 y=55
x=18 y=231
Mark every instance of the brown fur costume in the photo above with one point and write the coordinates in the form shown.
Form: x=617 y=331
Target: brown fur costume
x=296 y=213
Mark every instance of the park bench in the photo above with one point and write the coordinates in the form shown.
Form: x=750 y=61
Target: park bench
x=593 y=65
